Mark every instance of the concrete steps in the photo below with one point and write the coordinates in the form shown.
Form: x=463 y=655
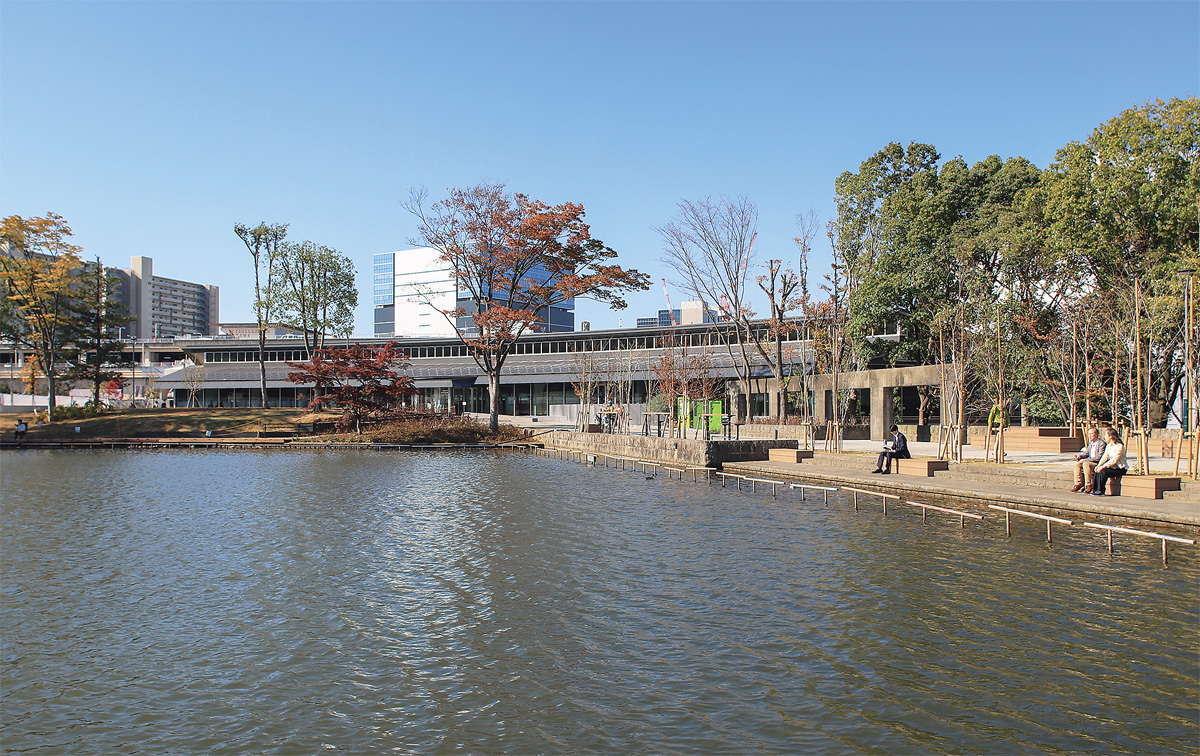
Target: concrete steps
x=1014 y=474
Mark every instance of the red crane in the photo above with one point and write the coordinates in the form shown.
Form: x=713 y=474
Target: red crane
x=670 y=309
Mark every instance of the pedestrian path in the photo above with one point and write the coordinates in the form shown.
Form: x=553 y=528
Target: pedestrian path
x=990 y=484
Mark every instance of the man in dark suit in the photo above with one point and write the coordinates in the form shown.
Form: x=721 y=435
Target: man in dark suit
x=898 y=450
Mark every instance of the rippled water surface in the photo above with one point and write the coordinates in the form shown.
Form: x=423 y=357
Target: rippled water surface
x=301 y=602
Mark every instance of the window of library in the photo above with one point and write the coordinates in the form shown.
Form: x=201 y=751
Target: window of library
x=759 y=405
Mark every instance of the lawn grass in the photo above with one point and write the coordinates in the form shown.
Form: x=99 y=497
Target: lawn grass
x=246 y=422
x=241 y=422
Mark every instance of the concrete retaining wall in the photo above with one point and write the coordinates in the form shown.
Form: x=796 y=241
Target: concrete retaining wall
x=674 y=451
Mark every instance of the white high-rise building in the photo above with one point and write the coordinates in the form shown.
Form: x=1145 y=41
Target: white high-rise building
x=413 y=287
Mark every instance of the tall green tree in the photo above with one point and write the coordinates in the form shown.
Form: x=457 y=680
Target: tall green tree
x=264 y=241
x=318 y=295
x=894 y=234
x=1127 y=196
x=97 y=315
x=1125 y=203
x=38 y=266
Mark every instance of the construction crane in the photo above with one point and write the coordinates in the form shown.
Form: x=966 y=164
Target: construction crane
x=725 y=308
x=670 y=309
x=749 y=251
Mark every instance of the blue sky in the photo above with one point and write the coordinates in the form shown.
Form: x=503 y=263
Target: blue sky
x=154 y=128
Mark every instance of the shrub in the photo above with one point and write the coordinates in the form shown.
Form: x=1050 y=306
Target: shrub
x=72 y=412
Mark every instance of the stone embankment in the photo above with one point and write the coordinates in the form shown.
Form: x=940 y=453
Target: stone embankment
x=683 y=452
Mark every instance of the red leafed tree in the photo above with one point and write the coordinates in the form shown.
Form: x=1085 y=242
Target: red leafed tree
x=362 y=380
x=514 y=258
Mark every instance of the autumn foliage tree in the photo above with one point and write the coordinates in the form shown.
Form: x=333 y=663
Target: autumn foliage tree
x=514 y=258
x=362 y=380
x=38 y=267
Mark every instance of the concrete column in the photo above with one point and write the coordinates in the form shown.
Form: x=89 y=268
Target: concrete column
x=881 y=409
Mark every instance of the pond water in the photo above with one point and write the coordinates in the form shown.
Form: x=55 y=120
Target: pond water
x=231 y=602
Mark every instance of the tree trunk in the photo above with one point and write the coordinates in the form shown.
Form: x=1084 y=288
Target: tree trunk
x=262 y=366
x=50 y=400
x=494 y=393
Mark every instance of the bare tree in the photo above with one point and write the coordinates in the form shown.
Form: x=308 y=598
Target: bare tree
x=780 y=286
x=193 y=379
x=583 y=380
x=709 y=243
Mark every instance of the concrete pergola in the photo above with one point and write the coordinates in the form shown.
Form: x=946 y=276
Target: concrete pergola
x=880 y=382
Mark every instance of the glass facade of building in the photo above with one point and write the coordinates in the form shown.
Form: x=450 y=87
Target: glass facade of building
x=384 y=293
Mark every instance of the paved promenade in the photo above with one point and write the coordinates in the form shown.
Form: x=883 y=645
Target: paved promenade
x=1045 y=485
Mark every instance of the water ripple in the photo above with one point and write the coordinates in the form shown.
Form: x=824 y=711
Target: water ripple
x=232 y=602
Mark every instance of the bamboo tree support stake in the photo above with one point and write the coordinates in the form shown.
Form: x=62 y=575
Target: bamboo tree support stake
x=1074 y=378
x=1000 y=380
x=1139 y=406
x=1187 y=429
x=1087 y=377
x=943 y=439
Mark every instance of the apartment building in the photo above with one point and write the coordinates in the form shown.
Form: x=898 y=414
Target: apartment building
x=166 y=307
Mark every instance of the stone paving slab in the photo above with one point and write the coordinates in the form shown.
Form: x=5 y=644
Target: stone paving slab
x=936 y=490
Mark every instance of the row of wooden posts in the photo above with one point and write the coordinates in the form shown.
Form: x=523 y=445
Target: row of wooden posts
x=711 y=474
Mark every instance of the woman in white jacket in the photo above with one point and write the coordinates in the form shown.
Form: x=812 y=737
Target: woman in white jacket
x=1112 y=465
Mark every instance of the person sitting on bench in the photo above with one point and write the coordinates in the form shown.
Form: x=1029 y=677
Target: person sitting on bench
x=1112 y=465
x=898 y=450
x=1086 y=461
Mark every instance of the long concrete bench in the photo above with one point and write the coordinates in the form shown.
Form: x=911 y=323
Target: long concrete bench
x=923 y=467
x=1143 y=486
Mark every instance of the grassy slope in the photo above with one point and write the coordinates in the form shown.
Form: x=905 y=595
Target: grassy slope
x=245 y=423
x=162 y=423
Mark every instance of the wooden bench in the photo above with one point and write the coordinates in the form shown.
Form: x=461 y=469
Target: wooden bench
x=1143 y=486
x=788 y=455
x=923 y=467
x=276 y=430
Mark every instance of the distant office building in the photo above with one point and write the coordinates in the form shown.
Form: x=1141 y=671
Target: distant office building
x=166 y=307
x=688 y=313
x=412 y=288
x=250 y=331
x=664 y=318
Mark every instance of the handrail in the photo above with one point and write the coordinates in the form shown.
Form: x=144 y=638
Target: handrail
x=858 y=491
x=1162 y=537
x=962 y=516
x=1049 y=520
x=823 y=489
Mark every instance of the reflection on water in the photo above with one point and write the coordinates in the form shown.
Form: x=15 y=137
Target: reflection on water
x=295 y=602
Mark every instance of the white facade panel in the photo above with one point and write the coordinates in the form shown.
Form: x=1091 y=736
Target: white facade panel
x=425 y=286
